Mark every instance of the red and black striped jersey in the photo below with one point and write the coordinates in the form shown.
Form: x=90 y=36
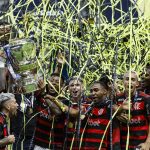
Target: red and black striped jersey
x=139 y=122
x=71 y=130
x=49 y=132
x=95 y=126
x=58 y=132
x=3 y=128
x=72 y=139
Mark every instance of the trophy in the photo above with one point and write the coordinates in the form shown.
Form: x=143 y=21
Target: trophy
x=22 y=65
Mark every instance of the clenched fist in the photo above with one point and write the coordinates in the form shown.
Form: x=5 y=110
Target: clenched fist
x=11 y=139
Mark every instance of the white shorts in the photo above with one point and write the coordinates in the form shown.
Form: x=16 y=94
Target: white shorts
x=36 y=147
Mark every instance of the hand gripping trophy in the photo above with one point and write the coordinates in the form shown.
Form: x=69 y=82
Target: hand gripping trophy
x=22 y=65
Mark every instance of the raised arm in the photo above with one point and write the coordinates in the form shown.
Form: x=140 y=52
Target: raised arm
x=7 y=140
x=61 y=106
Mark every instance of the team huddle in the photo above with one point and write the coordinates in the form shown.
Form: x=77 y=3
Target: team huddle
x=66 y=118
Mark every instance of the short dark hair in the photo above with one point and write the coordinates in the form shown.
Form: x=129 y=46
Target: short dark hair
x=104 y=78
x=105 y=85
x=58 y=75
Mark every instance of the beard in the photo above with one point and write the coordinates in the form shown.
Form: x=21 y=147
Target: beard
x=13 y=114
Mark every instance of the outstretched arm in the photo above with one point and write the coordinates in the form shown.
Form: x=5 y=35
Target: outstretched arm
x=7 y=140
x=53 y=107
x=61 y=106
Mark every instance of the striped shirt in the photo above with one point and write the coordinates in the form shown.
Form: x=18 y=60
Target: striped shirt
x=138 y=125
x=3 y=128
x=72 y=135
x=93 y=136
x=49 y=131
